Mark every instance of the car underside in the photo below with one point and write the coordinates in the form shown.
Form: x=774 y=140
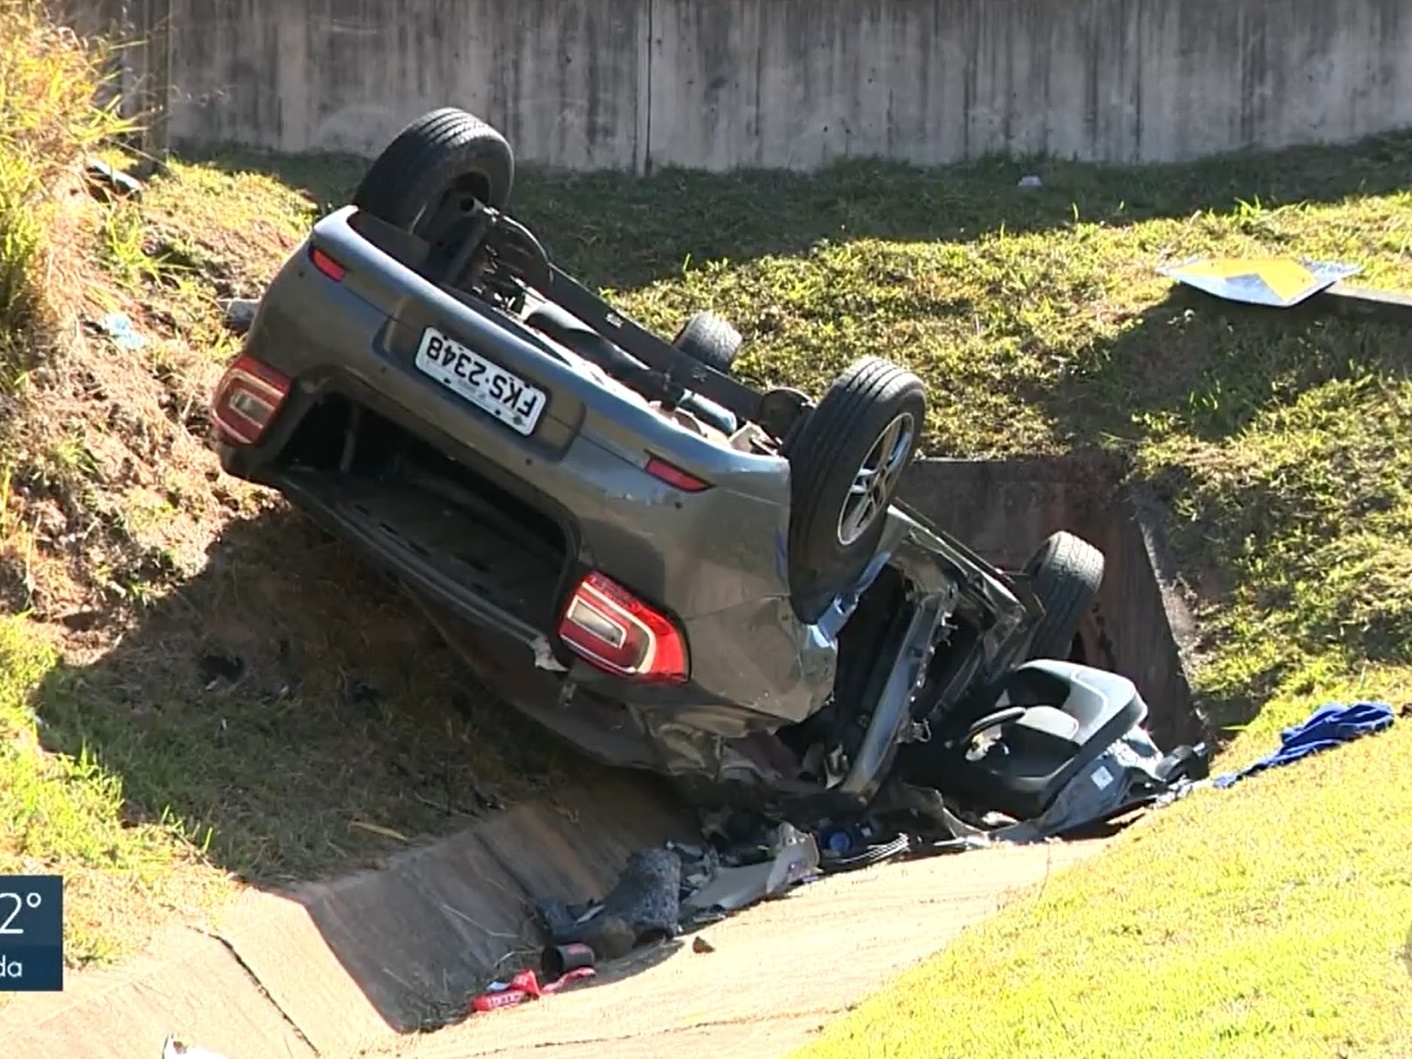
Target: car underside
x=925 y=622
x=717 y=583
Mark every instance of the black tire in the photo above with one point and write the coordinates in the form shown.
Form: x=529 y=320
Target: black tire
x=1065 y=574
x=437 y=162
x=831 y=539
x=711 y=340
x=1184 y=763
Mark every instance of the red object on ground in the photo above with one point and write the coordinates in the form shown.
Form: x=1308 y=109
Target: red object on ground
x=524 y=986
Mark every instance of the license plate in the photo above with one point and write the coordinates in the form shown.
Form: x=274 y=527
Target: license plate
x=486 y=385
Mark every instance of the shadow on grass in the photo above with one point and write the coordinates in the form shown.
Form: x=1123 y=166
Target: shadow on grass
x=297 y=706
x=1209 y=368
x=622 y=232
x=1264 y=426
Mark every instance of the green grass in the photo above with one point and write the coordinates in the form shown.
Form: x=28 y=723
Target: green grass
x=57 y=812
x=68 y=813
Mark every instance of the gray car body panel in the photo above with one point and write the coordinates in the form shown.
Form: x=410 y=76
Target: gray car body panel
x=716 y=560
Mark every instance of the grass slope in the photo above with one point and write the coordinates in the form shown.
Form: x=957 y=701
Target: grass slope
x=57 y=812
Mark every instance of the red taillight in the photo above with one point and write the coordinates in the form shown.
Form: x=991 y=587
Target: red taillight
x=674 y=476
x=612 y=629
x=246 y=400
x=327 y=265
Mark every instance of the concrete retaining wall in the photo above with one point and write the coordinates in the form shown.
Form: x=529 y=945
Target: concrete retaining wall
x=717 y=84
x=1139 y=626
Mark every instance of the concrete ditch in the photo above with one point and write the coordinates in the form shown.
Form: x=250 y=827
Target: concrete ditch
x=1140 y=626
x=350 y=965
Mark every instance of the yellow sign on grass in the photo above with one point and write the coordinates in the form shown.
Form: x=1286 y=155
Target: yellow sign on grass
x=1275 y=281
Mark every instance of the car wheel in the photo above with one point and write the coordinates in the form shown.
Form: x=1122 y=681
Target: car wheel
x=711 y=340
x=1065 y=574
x=846 y=463
x=441 y=162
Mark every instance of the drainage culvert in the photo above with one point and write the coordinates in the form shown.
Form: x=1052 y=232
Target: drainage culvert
x=1139 y=626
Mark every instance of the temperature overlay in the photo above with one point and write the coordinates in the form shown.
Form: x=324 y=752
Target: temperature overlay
x=31 y=933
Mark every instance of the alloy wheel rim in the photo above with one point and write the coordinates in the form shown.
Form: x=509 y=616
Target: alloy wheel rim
x=875 y=479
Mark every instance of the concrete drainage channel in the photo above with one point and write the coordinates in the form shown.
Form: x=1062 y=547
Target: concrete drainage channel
x=1140 y=626
x=341 y=967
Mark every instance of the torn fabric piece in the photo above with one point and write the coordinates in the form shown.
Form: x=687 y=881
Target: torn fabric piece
x=645 y=901
x=1327 y=727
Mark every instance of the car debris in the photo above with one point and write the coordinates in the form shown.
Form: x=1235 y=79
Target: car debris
x=106 y=182
x=720 y=580
x=679 y=887
x=795 y=858
x=524 y=986
x=238 y=313
x=1272 y=282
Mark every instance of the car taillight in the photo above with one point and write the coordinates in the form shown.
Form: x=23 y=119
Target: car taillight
x=327 y=265
x=612 y=629
x=674 y=475
x=246 y=400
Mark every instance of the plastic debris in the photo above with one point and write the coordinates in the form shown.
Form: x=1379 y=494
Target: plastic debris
x=796 y=857
x=119 y=328
x=1270 y=281
x=239 y=313
x=106 y=182
x=1030 y=181
x=523 y=986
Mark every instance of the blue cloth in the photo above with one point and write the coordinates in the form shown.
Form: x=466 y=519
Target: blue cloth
x=1328 y=726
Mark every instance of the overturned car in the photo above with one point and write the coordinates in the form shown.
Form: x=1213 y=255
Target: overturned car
x=720 y=580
